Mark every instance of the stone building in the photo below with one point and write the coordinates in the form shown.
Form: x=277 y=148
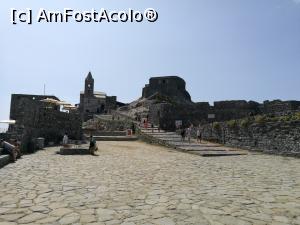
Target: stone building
x=171 y=86
x=94 y=102
x=18 y=104
x=35 y=119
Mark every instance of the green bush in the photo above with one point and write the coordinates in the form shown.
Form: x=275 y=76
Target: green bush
x=260 y=119
x=217 y=126
x=232 y=123
x=245 y=122
x=296 y=117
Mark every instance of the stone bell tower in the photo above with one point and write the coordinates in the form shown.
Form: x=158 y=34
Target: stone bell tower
x=89 y=85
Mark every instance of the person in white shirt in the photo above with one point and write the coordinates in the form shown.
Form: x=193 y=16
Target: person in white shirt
x=188 y=134
x=65 y=140
x=199 y=134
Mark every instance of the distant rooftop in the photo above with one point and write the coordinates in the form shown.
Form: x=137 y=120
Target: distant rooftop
x=167 y=77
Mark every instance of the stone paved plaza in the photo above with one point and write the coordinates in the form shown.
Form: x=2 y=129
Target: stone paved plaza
x=133 y=183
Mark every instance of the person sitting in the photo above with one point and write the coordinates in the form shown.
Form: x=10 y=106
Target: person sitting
x=65 y=140
x=17 y=148
x=9 y=149
x=93 y=145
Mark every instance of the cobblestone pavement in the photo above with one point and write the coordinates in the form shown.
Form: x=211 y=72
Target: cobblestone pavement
x=133 y=183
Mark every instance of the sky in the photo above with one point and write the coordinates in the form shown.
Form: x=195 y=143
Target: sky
x=223 y=49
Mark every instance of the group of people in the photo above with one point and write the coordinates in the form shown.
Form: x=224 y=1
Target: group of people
x=187 y=133
x=11 y=148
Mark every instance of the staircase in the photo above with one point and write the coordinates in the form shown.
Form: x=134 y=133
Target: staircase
x=173 y=140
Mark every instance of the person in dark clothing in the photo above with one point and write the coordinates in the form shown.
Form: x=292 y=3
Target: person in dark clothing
x=182 y=133
x=93 y=145
x=133 y=128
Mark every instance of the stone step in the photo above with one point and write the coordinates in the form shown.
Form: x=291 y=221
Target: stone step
x=195 y=148
x=161 y=133
x=222 y=153
x=110 y=133
x=203 y=149
x=193 y=144
x=175 y=139
x=116 y=138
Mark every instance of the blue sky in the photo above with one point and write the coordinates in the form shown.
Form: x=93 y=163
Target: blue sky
x=225 y=49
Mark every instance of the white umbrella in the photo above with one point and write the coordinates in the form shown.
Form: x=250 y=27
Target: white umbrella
x=50 y=100
x=8 y=121
x=63 y=103
x=69 y=107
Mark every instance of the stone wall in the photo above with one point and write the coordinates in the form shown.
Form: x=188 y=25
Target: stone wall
x=281 y=137
x=99 y=125
x=173 y=102
x=18 y=104
x=279 y=107
x=42 y=120
x=166 y=114
x=227 y=110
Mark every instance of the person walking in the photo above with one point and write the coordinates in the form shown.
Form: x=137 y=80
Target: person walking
x=199 y=134
x=93 y=145
x=182 y=133
x=189 y=133
x=152 y=127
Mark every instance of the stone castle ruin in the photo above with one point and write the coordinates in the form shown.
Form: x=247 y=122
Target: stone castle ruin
x=165 y=100
x=171 y=86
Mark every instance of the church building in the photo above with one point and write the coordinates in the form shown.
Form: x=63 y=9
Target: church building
x=94 y=102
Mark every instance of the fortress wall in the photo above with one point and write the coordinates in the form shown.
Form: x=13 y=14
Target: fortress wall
x=282 y=138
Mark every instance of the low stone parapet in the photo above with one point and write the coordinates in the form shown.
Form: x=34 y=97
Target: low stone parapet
x=74 y=150
x=4 y=160
x=116 y=138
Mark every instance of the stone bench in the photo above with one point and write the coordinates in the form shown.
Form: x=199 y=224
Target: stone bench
x=74 y=150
